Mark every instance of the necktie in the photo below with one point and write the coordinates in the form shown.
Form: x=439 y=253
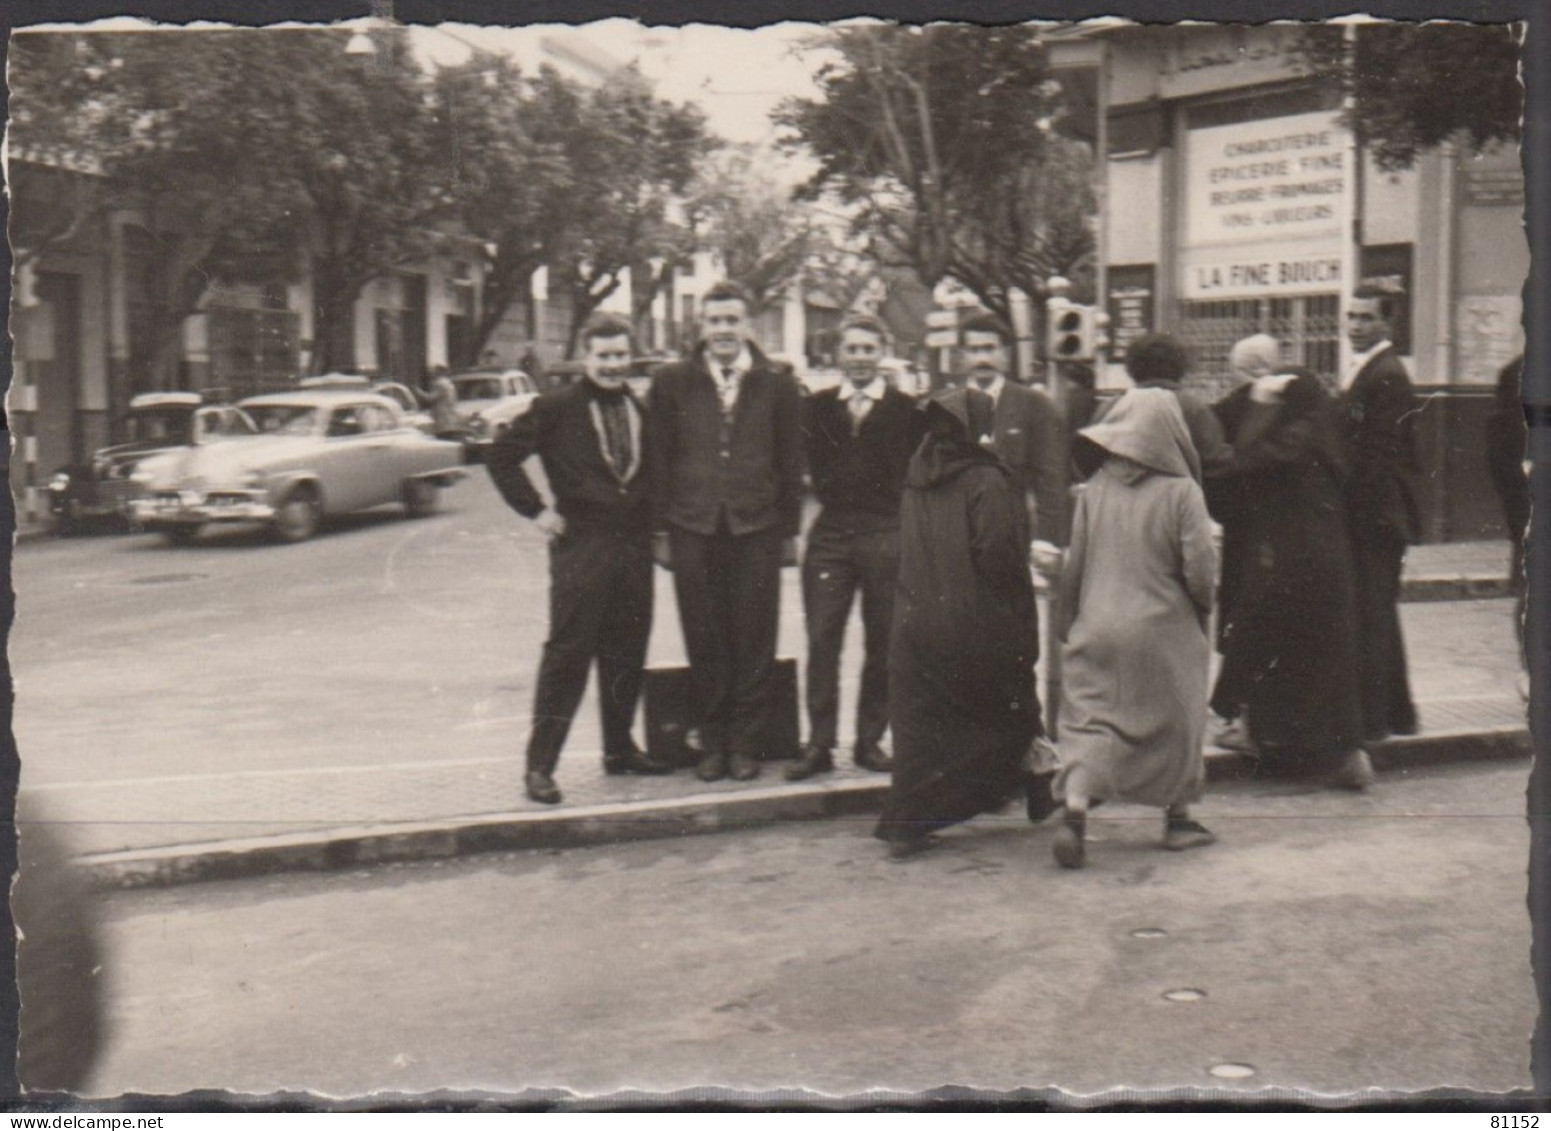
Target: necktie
x=729 y=389
x=616 y=432
x=861 y=404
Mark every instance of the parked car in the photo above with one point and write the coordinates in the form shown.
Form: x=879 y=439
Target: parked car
x=415 y=414
x=481 y=390
x=317 y=453
x=102 y=488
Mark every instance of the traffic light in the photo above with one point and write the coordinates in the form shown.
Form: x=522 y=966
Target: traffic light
x=1074 y=332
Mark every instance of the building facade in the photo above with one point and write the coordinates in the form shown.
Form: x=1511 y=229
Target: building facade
x=1234 y=202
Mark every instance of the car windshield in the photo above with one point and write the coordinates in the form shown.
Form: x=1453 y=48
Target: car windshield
x=478 y=388
x=169 y=423
x=284 y=419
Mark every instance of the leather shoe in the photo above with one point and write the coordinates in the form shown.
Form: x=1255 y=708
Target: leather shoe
x=1039 y=800
x=712 y=767
x=744 y=768
x=813 y=760
x=542 y=788
x=634 y=761
x=870 y=756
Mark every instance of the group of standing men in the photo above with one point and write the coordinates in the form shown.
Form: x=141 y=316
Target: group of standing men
x=706 y=480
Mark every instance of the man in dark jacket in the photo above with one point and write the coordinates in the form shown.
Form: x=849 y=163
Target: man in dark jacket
x=1379 y=407
x=1028 y=436
x=589 y=439
x=726 y=447
x=859 y=438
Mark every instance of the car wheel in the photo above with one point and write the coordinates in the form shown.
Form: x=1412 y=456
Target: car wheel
x=298 y=517
x=181 y=535
x=420 y=498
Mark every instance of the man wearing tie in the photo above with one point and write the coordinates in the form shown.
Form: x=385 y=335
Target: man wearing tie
x=859 y=439
x=589 y=438
x=1379 y=406
x=725 y=435
x=1029 y=431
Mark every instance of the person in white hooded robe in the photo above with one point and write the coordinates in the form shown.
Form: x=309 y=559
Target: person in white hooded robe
x=1136 y=598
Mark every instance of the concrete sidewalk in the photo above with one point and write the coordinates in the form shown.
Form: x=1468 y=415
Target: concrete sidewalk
x=174 y=828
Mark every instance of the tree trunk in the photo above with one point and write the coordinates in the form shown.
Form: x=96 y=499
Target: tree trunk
x=503 y=286
x=333 y=327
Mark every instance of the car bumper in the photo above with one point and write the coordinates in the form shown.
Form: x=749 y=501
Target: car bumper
x=90 y=500
x=180 y=509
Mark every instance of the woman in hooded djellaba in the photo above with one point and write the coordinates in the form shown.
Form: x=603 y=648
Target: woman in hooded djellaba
x=1136 y=600
x=962 y=703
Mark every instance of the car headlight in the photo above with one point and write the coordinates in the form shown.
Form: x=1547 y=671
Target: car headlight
x=60 y=481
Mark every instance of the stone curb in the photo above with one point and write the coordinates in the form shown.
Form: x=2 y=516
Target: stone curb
x=337 y=849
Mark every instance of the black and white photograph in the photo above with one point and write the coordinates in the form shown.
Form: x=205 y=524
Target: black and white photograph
x=822 y=564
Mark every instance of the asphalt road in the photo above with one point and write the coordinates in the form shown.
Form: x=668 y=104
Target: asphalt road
x=1335 y=943
x=382 y=640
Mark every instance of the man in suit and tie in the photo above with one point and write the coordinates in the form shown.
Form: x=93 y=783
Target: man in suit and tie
x=589 y=438
x=725 y=435
x=1379 y=409
x=1030 y=439
x=859 y=437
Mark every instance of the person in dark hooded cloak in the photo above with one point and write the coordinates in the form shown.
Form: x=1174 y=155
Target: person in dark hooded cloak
x=1136 y=599
x=965 y=639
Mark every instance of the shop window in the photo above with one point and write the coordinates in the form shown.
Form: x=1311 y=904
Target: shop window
x=251 y=350
x=1308 y=326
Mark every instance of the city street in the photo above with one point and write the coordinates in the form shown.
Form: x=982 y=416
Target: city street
x=172 y=695
x=1338 y=943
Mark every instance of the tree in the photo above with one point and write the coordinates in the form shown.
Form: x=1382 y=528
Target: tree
x=499 y=137
x=948 y=140
x=631 y=156
x=762 y=236
x=244 y=154
x=1415 y=86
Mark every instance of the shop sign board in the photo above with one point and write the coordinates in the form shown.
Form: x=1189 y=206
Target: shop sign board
x=1281 y=178
x=1281 y=269
x=1131 y=305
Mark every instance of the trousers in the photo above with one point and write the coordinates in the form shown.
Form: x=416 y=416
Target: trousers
x=729 y=594
x=840 y=561
x=600 y=609
x=1387 y=706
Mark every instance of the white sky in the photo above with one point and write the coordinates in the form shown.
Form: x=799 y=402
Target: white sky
x=737 y=76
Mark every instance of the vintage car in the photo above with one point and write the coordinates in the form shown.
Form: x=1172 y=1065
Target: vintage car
x=480 y=391
x=317 y=453
x=156 y=422
x=415 y=414
x=488 y=403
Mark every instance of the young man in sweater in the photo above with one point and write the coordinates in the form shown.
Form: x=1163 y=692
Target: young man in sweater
x=859 y=438
x=589 y=438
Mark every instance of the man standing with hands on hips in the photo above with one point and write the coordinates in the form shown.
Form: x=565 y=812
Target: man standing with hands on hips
x=859 y=438
x=725 y=435
x=589 y=437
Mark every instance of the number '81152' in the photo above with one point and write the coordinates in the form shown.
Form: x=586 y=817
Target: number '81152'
x=1516 y=1122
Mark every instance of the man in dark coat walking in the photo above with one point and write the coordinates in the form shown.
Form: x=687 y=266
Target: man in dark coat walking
x=589 y=438
x=725 y=435
x=965 y=636
x=859 y=437
x=1379 y=408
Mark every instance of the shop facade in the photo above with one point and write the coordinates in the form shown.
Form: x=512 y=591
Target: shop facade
x=1234 y=202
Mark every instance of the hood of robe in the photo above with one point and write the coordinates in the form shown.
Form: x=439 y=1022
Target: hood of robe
x=963 y=423
x=1147 y=428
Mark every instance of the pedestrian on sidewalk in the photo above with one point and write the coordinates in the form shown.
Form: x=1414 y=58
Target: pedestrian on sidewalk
x=1159 y=361
x=859 y=438
x=725 y=431
x=1292 y=646
x=1136 y=597
x=588 y=437
x=1233 y=503
x=1507 y=433
x=965 y=638
x=1380 y=407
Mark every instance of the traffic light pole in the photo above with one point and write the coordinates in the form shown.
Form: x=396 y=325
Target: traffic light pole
x=1054 y=305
